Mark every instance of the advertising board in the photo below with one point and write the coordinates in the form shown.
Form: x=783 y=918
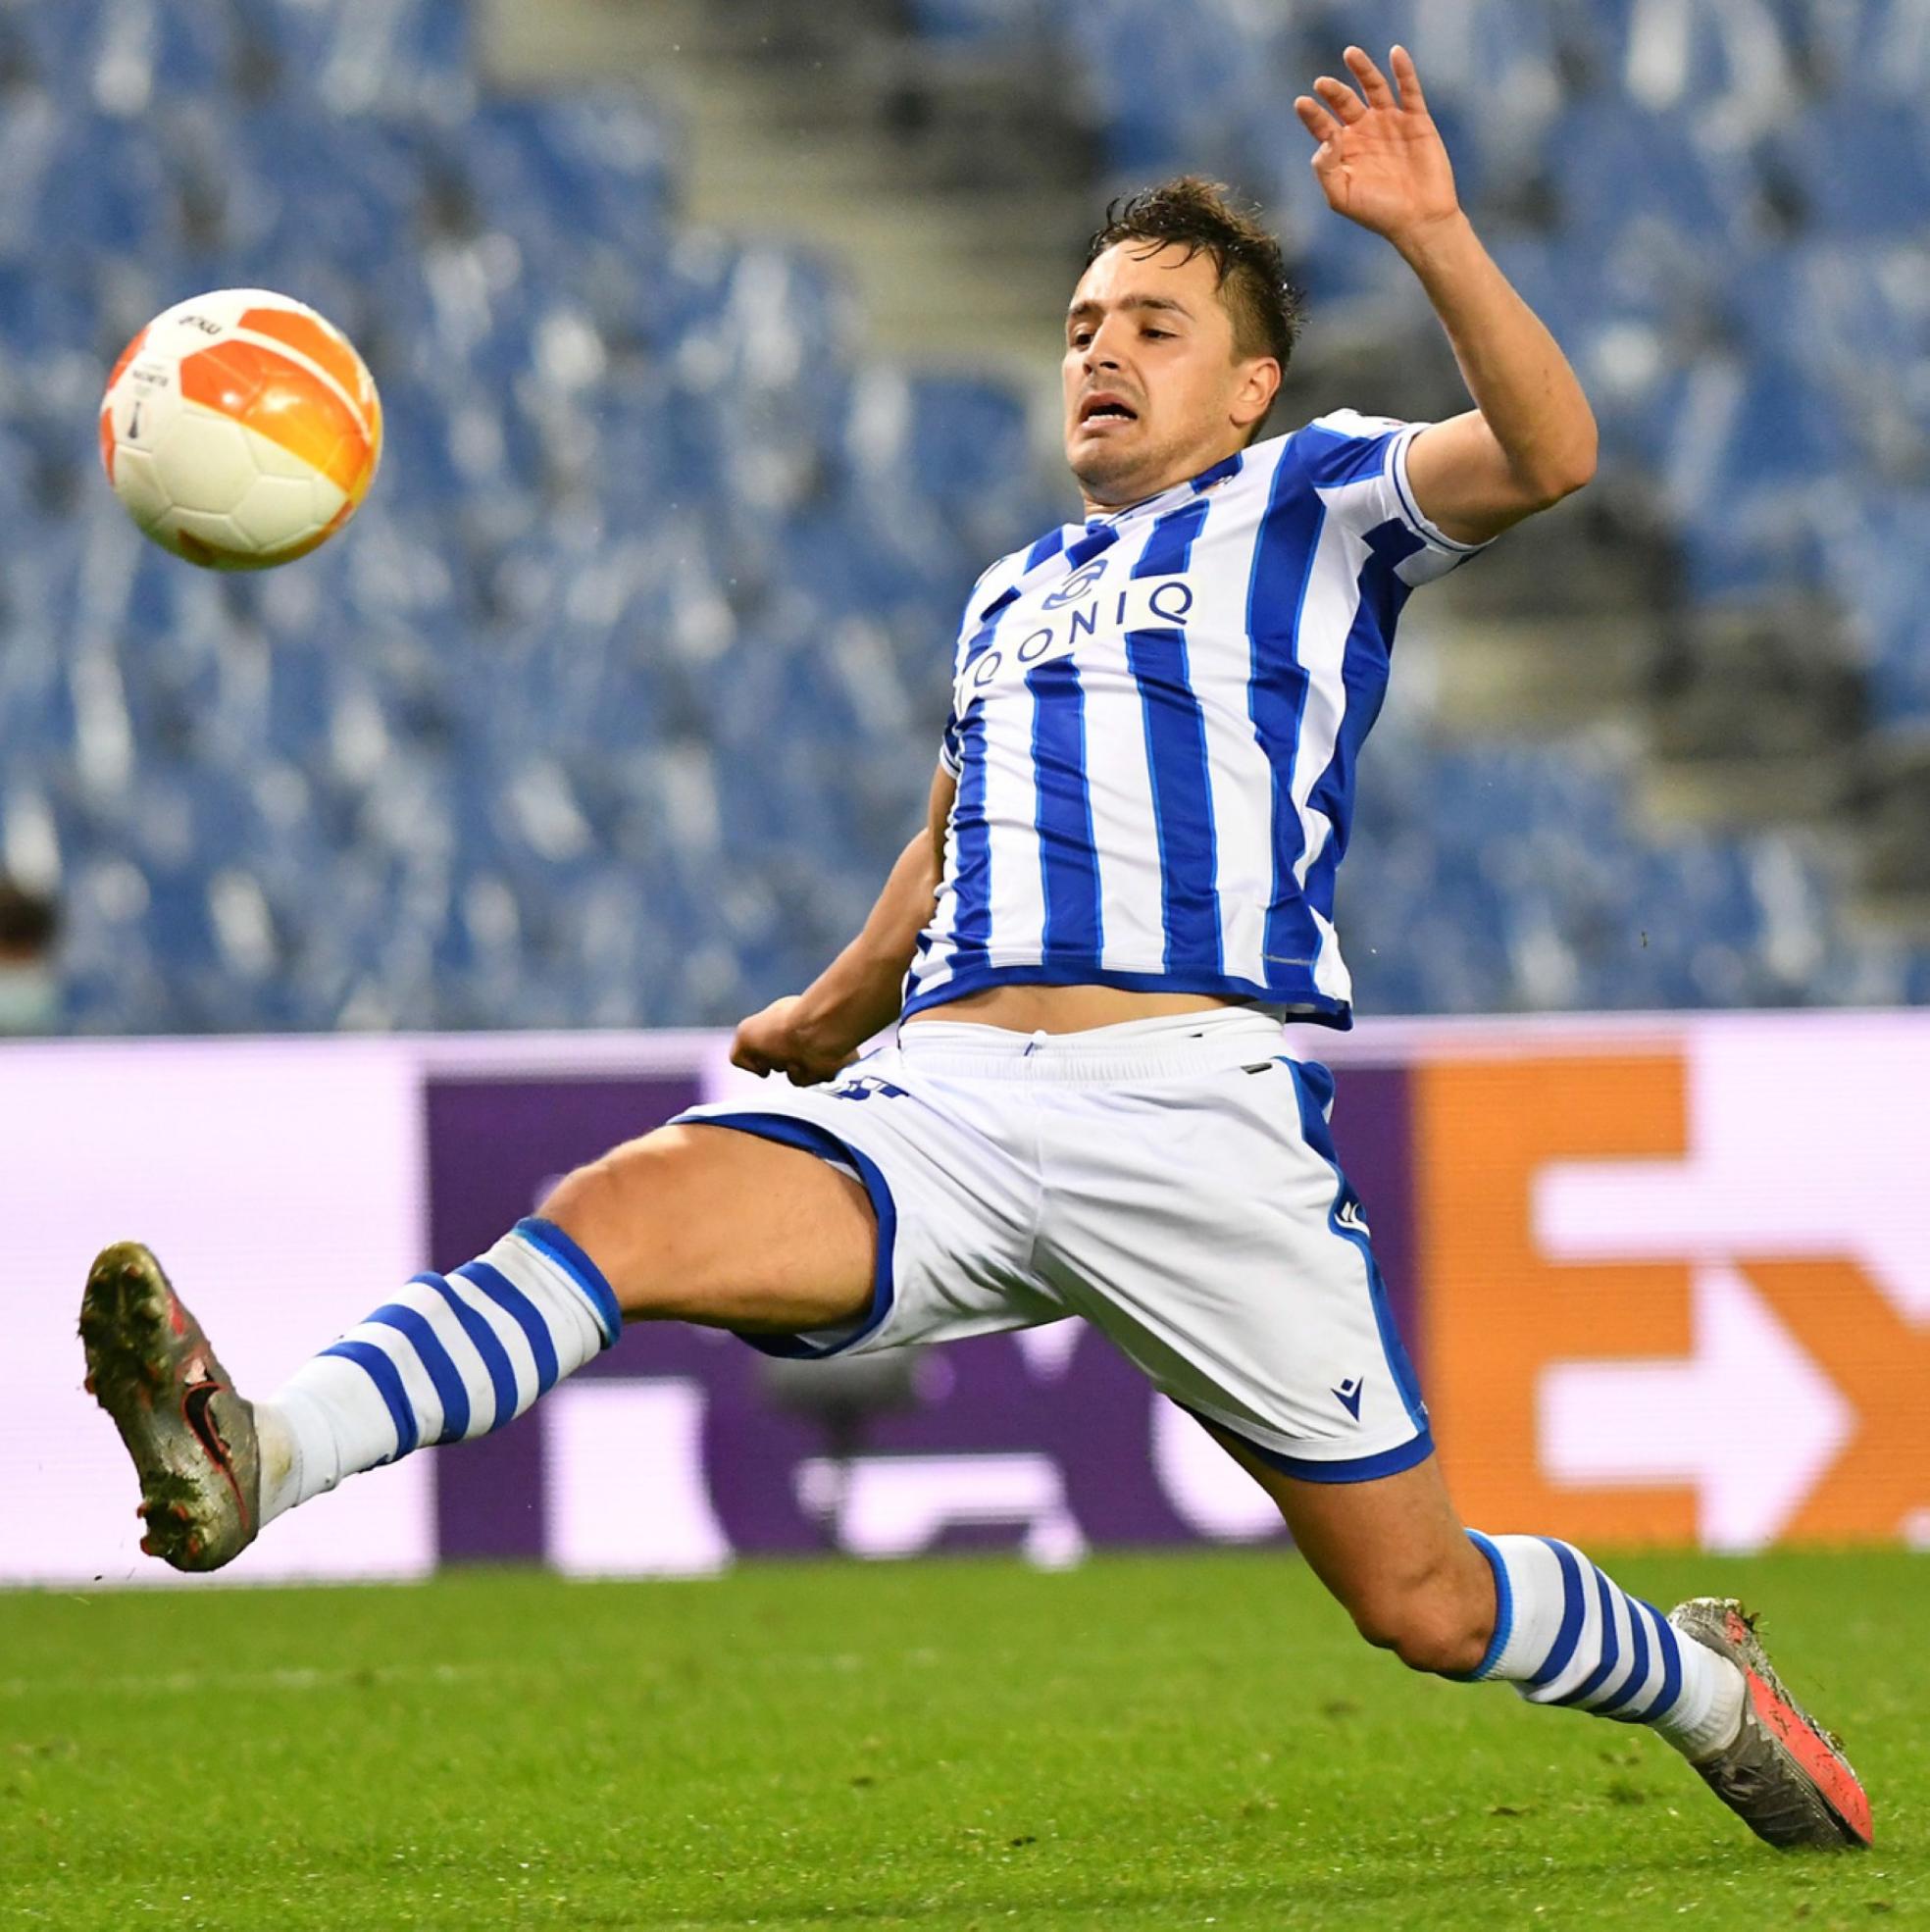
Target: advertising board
x=1665 y=1281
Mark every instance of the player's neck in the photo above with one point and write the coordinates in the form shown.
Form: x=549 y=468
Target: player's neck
x=1130 y=494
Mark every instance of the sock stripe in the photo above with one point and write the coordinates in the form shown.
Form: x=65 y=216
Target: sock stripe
x=1638 y=1676
x=450 y=1391
x=511 y=1300
x=1503 y=1606
x=1610 y=1643
x=549 y=1240
x=1574 y=1610
x=1671 y=1669
x=388 y=1384
x=483 y=1338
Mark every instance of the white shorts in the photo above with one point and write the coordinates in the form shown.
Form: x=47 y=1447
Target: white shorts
x=1170 y=1179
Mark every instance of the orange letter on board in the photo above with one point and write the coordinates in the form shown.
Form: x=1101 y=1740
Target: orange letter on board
x=1495 y=1312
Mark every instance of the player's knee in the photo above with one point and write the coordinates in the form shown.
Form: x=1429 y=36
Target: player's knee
x=586 y=1198
x=1429 y=1622
x=605 y=1206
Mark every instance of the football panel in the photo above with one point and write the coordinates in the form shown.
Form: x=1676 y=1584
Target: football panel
x=212 y=541
x=316 y=541
x=324 y=344
x=285 y=402
x=204 y=319
x=204 y=462
x=278 y=512
x=138 y=488
x=325 y=498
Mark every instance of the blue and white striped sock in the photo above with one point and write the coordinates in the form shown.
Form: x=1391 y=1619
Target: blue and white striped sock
x=449 y=1357
x=1565 y=1634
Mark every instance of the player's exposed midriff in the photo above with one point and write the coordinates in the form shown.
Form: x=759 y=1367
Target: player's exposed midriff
x=1066 y=1009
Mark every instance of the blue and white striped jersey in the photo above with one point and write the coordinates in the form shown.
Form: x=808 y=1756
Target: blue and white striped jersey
x=1155 y=721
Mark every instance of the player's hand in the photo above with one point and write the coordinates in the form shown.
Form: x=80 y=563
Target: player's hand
x=1381 y=160
x=777 y=1041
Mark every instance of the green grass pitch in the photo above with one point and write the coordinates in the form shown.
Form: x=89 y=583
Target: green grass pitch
x=1169 y=1742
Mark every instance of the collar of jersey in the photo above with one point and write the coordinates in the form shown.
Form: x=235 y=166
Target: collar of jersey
x=1167 y=499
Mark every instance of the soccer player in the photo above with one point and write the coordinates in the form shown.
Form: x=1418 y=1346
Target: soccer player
x=1125 y=885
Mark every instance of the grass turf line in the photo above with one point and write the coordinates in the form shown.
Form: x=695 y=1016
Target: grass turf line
x=1163 y=1741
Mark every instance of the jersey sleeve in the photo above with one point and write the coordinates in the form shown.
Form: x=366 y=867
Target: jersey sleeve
x=1359 y=464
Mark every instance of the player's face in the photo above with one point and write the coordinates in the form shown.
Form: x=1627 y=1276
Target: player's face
x=1154 y=393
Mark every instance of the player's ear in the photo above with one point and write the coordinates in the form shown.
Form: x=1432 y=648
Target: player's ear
x=1259 y=383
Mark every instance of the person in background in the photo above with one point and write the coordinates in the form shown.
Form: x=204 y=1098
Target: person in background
x=30 y=987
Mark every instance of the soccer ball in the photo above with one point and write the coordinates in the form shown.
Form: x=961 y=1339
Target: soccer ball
x=240 y=429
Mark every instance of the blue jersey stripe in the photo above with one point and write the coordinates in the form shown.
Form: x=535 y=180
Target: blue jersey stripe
x=1364 y=667
x=1068 y=856
x=1276 y=695
x=971 y=826
x=414 y=1328
x=511 y=1300
x=1176 y=762
x=483 y=1338
x=971 y=829
x=1048 y=546
x=1332 y=459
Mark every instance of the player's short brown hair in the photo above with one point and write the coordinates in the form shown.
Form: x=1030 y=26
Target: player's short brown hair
x=1198 y=215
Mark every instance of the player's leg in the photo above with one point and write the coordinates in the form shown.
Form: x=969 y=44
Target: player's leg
x=1226 y=1253
x=1537 y=1613
x=691 y=1223
x=1393 y=1555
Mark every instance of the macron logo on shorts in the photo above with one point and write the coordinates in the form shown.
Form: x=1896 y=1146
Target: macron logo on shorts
x=1349 y=1395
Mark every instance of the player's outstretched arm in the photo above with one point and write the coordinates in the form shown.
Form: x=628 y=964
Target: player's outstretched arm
x=1530 y=439
x=809 y=1036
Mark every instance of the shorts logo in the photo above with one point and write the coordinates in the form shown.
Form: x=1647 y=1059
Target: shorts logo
x=1348 y=1216
x=863 y=1087
x=1349 y=1395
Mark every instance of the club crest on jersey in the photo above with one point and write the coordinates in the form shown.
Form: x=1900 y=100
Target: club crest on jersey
x=1077 y=585
x=1091 y=617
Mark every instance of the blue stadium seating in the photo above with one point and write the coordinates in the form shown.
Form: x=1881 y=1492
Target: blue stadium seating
x=617 y=703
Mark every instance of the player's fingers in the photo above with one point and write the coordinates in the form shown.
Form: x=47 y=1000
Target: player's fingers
x=1340 y=99
x=1408 y=78
x=1316 y=120
x=748 y=1058
x=1371 y=81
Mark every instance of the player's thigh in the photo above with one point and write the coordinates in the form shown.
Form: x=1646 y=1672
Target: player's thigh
x=696 y=1223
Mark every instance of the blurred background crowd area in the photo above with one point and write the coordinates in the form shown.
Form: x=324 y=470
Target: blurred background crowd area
x=719 y=344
